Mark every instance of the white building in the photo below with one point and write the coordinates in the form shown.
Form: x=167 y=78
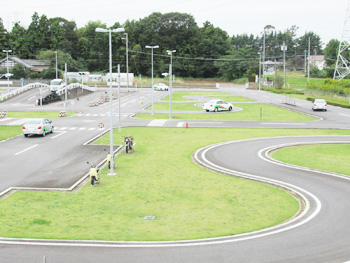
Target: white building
x=317 y=61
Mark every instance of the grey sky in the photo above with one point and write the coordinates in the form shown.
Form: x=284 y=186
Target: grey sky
x=324 y=17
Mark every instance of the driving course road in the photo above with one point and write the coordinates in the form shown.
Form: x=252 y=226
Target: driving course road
x=321 y=233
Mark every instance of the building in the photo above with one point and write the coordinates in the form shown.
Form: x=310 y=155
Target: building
x=30 y=64
x=317 y=61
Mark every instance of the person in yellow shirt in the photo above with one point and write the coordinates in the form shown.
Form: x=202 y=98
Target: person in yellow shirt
x=109 y=161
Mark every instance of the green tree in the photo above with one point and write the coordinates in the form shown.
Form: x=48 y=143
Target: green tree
x=3 y=38
x=18 y=71
x=18 y=40
x=331 y=52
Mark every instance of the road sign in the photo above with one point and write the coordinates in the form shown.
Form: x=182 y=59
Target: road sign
x=101 y=125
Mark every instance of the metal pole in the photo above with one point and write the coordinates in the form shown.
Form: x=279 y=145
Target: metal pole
x=305 y=61
x=171 y=82
x=259 y=71
x=8 y=77
x=284 y=63
x=127 y=59
x=308 y=63
x=264 y=55
x=111 y=150
x=152 y=85
x=119 y=113
x=56 y=64
x=65 y=90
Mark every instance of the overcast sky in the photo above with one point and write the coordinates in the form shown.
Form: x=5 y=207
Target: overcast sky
x=324 y=17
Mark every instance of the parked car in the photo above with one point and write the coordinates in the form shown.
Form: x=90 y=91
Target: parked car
x=37 y=126
x=217 y=105
x=319 y=104
x=160 y=86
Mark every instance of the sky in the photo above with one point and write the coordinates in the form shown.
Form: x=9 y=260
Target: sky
x=326 y=18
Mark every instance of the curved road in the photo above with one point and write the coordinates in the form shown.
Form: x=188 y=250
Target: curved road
x=320 y=234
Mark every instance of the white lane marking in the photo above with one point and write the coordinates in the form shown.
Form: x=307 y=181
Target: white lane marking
x=63 y=128
x=61 y=133
x=279 y=123
x=6 y=119
x=157 y=123
x=31 y=147
x=72 y=128
x=82 y=128
x=180 y=124
x=94 y=115
x=31 y=98
x=346 y=115
x=91 y=129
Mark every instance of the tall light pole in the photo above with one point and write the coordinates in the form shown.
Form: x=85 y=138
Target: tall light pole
x=170 y=52
x=127 y=59
x=7 y=65
x=264 y=52
x=56 y=64
x=259 y=70
x=111 y=150
x=152 y=47
x=284 y=48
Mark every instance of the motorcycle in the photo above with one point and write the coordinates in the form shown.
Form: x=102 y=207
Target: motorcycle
x=128 y=140
x=94 y=176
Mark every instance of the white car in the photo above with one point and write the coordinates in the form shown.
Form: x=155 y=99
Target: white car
x=319 y=104
x=56 y=84
x=217 y=105
x=160 y=86
x=37 y=126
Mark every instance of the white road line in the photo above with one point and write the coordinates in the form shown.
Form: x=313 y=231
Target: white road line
x=31 y=147
x=180 y=124
x=157 y=123
x=61 y=133
x=72 y=128
x=63 y=128
x=346 y=115
x=6 y=119
x=31 y=98
x=91 y=129
x=82 y=128
x=279 y=123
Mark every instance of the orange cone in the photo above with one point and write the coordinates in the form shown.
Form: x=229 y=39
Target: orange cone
x=186 y=124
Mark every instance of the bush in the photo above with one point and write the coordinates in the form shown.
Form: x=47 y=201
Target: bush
x=49 y=73
x=340 y=87
x=34 y=75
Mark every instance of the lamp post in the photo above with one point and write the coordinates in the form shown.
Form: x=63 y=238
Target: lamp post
x=111 y=150
x=152 y=47
x=7 y=65
x=170 y=52
x=259 y=70
x=284 y=48
x=127 y=59
x=264 y=52
x=56 y=63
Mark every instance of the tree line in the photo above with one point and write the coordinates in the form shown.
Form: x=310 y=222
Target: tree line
x=201 y=51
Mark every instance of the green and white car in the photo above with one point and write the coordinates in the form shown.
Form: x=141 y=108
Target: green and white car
x=217 y=105
x=37 y=126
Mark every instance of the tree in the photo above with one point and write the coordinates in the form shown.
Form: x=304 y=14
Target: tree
x=17 y=41
x=303 y=44
x=3 y=38
x=18 y=71
x=331 y=52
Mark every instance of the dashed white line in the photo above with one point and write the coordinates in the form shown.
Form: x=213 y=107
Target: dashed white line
x=180 y=124
x=31 y=147
x=61 y=133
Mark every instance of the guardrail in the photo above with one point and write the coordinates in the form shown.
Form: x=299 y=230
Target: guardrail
x=75 y=85
x=22 y=89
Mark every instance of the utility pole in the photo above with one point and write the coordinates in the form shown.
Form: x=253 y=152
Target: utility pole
x=65 y=90
x=127 y=59
x=305 y=61
x=259 y=71
x=56 y=63
x=170 y=52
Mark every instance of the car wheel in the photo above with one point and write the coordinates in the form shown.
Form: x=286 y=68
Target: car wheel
x=230 y=109
x=216 y=109
x=25 y=135
x=44 y=133
x=52 y=129
x=207 y=110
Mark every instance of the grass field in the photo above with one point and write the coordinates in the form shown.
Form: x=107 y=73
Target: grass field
x=7 y=132
x=159 y=179
x=328 y=157
x=179 y=95
x=250 y=112
x=35 y=114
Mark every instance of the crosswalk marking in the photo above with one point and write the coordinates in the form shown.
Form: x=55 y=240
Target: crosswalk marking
x=157 y=123
x=180 y=124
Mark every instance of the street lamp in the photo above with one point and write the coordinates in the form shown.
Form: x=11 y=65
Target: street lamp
x=170 y=53
x=266 y=27
x=102 y=30
x=56 y=63
x=127 y=59
x=7 y=65
x=259 y=70
x=152 y=47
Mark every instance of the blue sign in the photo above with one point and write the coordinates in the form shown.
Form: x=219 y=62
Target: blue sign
x=22 y=79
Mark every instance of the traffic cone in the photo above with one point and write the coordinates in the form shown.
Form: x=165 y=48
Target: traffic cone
x=186 y=124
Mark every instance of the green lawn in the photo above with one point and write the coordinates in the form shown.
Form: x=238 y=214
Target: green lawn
x=159 y=179
x=179 y=95
x=7 y=132
x=35 y=114
x=250 y=112
x=328 y=157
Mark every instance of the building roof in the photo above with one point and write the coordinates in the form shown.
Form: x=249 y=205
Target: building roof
x=32 y=64
x=315 y=58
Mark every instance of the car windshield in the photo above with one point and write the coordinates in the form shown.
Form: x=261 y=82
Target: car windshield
x=55 y=82
x=160 y=84
x=212 y=101
x=320 y=101
x=34 y=122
